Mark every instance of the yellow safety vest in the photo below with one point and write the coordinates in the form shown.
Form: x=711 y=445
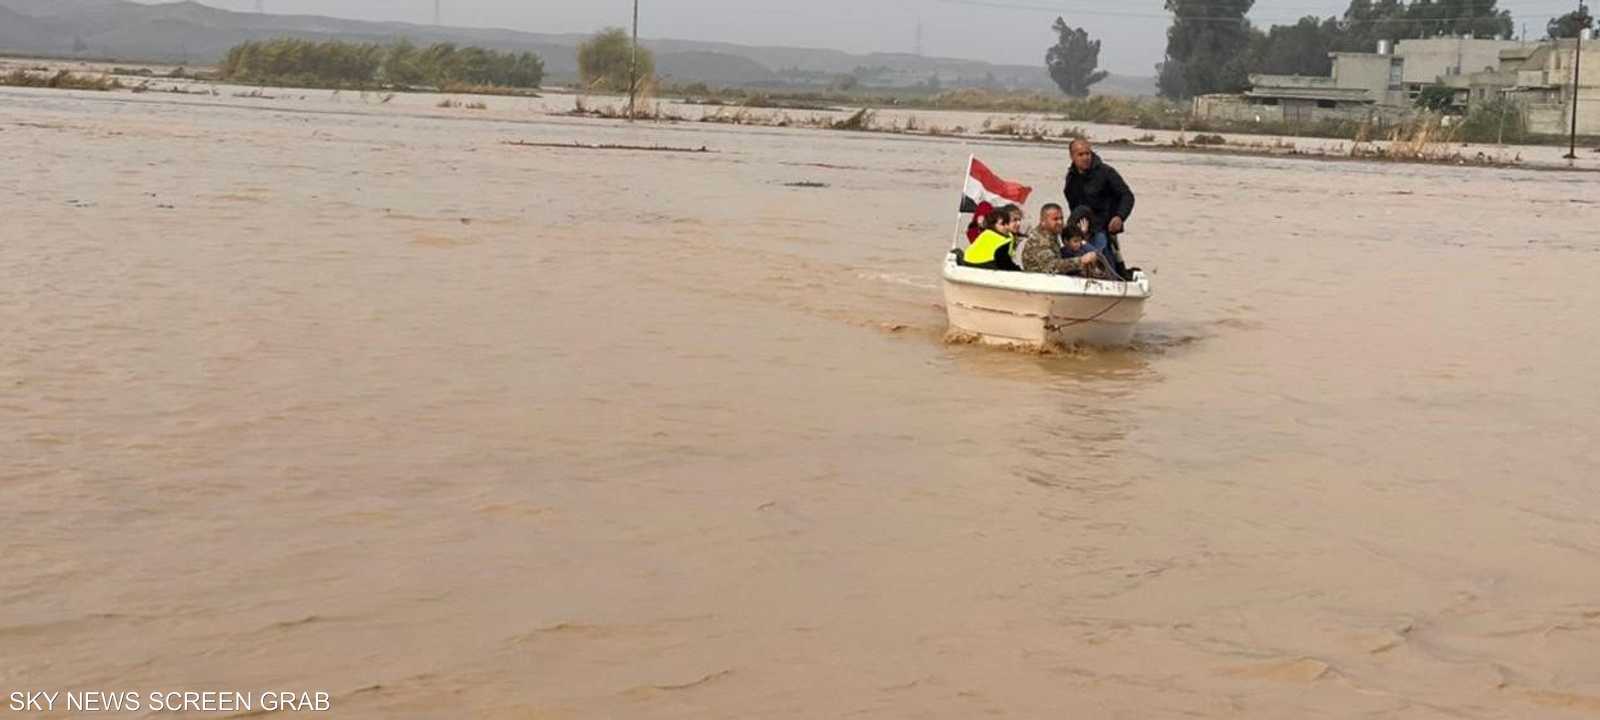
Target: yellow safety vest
x=983 y=250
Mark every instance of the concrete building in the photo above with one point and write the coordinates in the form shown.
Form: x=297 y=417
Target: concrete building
x=1539 y=78
x=1547 y=94
x=1490 y=83
x=1362 y=88
x=1381 y=86
x=1435 y=60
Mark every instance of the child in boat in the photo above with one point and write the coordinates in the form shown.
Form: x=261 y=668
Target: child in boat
x=992 y=248
x=976 y=227
x=1075 y=244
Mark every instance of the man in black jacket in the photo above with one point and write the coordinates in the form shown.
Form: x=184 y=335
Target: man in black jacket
x=1093 y=183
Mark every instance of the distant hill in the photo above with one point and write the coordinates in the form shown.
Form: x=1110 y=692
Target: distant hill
x=28 y=34
x=191 y=33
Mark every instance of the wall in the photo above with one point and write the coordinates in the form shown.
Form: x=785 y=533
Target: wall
x=1371 y=72
x=1558 y=65
x=1546 y=118
x=1236 y=108
x=1363 y=70
x=1427 y=59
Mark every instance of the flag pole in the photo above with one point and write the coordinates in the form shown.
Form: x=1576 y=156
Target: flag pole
x=955 y=242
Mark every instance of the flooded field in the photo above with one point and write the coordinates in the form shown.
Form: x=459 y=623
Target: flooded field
x=328 y=393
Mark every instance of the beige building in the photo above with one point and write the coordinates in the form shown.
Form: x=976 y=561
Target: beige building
x=1544 y=87
x=1381 y=86
x=1435 y=60
x=1539 y=78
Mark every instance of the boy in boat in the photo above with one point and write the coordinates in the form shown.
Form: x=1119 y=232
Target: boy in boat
x=1047 y=250
x=1078 y=242
x=992 y=248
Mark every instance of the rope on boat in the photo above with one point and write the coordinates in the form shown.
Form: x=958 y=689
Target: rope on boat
x=1098 y=315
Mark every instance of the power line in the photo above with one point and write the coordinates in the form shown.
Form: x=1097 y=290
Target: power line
x=1066 y=11
x=1317 y=9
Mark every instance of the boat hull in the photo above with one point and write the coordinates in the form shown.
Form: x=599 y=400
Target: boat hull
x=1012 y=308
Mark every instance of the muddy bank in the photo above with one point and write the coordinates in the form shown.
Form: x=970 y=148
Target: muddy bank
x=1418 y=144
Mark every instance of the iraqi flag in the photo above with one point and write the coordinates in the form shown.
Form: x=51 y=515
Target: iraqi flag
x=983 y=185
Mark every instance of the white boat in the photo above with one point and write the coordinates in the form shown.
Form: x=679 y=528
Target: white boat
x=1002 y=307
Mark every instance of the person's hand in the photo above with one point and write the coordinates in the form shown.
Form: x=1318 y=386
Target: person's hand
x=1115 y=226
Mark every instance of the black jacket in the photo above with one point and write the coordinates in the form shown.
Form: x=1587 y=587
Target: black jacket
x=1102 y=190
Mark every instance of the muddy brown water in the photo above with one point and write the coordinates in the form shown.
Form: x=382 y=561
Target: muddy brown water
x=355 y=397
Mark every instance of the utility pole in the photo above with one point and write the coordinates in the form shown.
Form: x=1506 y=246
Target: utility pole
x=633 y=62
x=436 y=22
x=1577 y=61
x=1505 y=105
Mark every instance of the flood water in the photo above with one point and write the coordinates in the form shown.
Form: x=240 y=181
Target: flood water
x=337 y=395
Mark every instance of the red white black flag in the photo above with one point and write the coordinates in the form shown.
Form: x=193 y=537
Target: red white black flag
x=983 y=185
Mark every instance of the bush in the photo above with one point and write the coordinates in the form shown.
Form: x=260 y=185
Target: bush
x=1491 y=120
x=61 y=80
x=862 y=120
x=340 y=64
x=605 y=61
x=1437 y=98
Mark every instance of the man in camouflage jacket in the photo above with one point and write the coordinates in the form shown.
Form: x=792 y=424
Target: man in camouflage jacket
x=1041 y=250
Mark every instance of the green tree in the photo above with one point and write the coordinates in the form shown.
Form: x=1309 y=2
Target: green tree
x=1478 y=18
x=527 y=71
x=1073 y=60
x=340 y=64
x=1437 y=98
x=1367 y=22
x=400 y=65
x=475 y=66
x=441 y=63
x=1570 y=24
x=1303 y=48
x=1208 y=48
x=604 y=60
x=1299 y=49
x=1495 y=120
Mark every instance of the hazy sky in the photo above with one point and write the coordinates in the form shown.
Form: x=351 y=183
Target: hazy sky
x=1008 y=31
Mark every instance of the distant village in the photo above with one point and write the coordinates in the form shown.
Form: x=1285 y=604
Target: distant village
x=1535 y=79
